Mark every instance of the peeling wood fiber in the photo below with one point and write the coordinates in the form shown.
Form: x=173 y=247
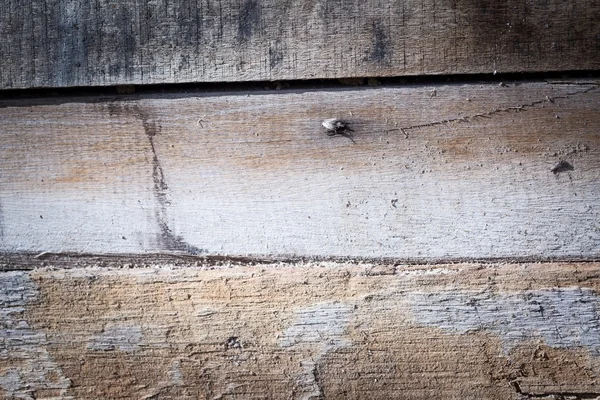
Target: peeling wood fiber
x=58 y=43
x=467 y=173
x=309 y=330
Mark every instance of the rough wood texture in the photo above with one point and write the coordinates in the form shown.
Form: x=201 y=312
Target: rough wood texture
x=311 y=330
x=57 y=43
x=441 y=172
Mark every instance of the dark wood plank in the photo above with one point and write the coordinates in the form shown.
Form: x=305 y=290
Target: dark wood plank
x=302 y=331
x=56 y=43
x=433 y=173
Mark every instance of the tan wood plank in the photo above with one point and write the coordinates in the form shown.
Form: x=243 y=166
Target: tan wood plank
x=57 y=43
x=301 y=331
x=466 y=173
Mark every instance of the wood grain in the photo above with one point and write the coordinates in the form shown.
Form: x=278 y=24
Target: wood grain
x=57 y=43
x=466 y=173
x=302 y=331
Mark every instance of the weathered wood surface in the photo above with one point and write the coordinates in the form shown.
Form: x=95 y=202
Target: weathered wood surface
x=57 y=43
x=444 y=172
x=310 y=330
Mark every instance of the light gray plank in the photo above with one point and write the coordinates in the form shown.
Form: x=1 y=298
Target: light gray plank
x=462 y=174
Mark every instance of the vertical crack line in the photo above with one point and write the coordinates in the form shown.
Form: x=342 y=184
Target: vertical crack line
x=158 y=176
x=1 y=221
x=319 y=388
x=166 y=239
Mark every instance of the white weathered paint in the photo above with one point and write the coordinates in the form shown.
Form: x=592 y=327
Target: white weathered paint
x=323 y=324
x=321 y=327
x=25 y=346
x=121 y=337
x=564 y=318
x=174 y=375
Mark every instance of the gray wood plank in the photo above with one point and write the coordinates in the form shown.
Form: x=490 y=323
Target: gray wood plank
x=444 y=172
x=61 y=43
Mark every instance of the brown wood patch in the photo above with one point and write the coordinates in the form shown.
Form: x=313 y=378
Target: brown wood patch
x=311 y=329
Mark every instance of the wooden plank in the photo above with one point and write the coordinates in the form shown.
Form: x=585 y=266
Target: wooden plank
x=57 y=43
x=465 y=173
x=310 y=330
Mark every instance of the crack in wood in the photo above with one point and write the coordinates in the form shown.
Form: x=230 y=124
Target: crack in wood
x=320 y=393
x=1 y=221
x=553 y=395
x=489 y=114
x=25 y=261
x=166 y=238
